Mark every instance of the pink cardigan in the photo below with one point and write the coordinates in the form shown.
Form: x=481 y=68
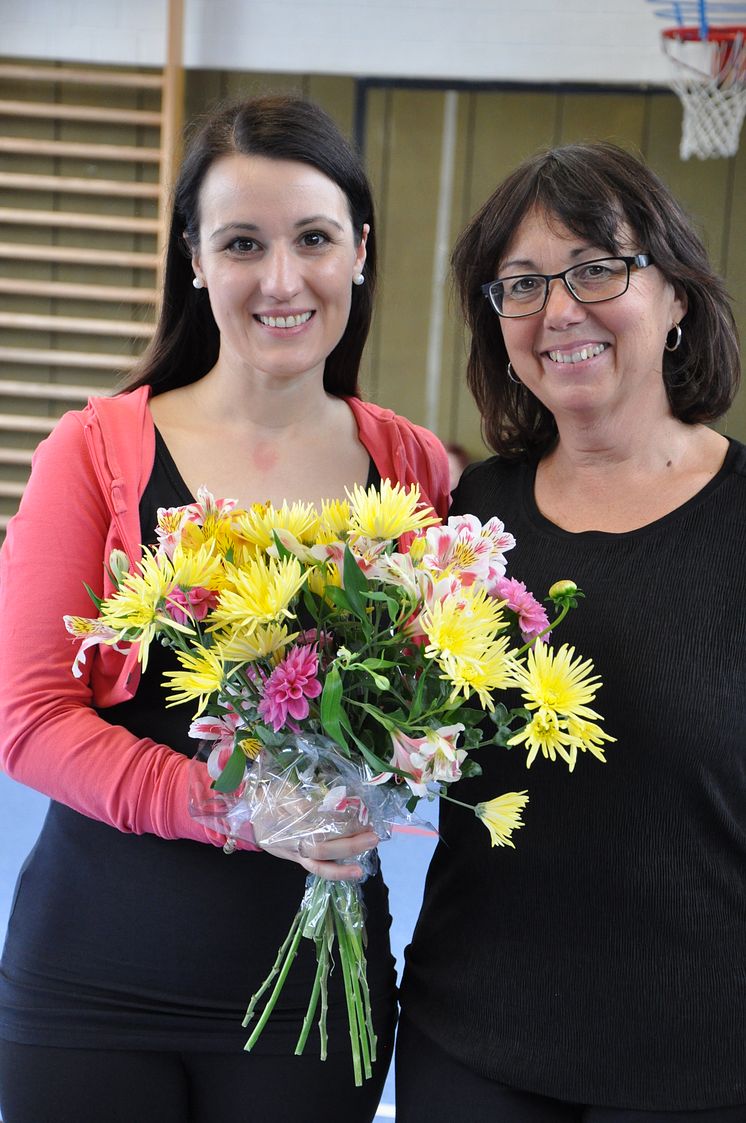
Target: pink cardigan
x=80 y=503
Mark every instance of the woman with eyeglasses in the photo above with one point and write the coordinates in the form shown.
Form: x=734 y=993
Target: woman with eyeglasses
x=597 y=972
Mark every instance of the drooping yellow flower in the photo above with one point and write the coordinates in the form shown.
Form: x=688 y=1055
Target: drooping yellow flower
x=388 y=512
x=258 y=593
x=135 y=610
x=546 y=733
x=502 y=816
x=264 y=641
x=202 y=675
x=554 y=680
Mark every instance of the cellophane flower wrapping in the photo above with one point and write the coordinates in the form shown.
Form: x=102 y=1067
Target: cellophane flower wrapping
x=345 y=663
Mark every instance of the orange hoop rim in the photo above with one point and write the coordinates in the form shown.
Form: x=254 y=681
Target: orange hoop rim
x=726 y=33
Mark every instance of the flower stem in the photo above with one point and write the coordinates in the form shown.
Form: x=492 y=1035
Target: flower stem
x=349 y=997
x=550 y=628
x=294 y=936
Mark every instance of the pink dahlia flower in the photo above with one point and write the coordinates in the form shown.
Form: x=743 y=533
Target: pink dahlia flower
x=288 y=688
x=532 y=617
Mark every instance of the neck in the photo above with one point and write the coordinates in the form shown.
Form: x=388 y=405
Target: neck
x=251 y=399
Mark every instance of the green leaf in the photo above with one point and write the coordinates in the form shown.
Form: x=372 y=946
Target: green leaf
x=98 y=601
x=356 y=585
x=282 y=551
x=470 y=768
x=338 y=597
x=333 y=718
x=232 y=774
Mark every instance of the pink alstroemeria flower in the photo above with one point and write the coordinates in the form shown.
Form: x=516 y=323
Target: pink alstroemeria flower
x=432 y=758
x=170 y=528
x=465 y=547
x=532 y=617
x=207 y=507
x=92 y=633
x=288 y=688
x=185 y=605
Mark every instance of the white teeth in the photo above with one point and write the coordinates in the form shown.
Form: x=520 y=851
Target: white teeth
x=285 y=321
x=577 y=356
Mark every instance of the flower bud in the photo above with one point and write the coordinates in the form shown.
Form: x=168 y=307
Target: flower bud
x=562 y=589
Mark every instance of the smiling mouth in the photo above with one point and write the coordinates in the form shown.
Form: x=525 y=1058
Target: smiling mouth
x=579 y=355
x=285 y=321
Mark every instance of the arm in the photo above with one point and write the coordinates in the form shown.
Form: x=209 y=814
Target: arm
x=52 y=738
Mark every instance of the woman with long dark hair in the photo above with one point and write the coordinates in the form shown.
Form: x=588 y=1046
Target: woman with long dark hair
x=135 y=941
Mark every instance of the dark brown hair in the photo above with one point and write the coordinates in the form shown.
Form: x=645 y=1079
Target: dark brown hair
x=594 y=190
x=187 y=341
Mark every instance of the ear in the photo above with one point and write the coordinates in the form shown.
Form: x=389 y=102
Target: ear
x=194 y=256
x=361 y=250
x=679 y=306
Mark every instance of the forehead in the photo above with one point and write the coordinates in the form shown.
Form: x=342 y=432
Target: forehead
x=542 y=235
x=243 y=188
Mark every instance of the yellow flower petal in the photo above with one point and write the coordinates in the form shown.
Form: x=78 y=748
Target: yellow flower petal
x=502 y=816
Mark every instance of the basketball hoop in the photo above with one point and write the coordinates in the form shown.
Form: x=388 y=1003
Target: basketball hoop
x=709 y=77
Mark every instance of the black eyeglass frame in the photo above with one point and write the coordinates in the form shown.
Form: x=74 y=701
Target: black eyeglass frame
x=639 y=260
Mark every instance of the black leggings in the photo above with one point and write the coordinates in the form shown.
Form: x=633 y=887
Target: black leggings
x=44 y=1085
x=431 y=1087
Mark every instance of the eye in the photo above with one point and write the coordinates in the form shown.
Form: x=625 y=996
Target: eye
x=595 y=271
x=314 y=239
x=243 y=246
x=519 y=287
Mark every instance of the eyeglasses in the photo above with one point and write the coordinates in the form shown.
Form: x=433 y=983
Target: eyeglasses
x=603 y=278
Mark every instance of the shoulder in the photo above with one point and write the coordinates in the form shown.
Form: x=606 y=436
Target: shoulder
x=736 y=458
x=487 y=485
x=368 y=414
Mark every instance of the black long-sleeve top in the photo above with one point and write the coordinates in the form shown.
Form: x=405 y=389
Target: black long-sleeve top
x=603 y=960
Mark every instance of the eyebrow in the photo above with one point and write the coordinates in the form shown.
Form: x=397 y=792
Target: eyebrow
x=252 y=228
x=524 y=263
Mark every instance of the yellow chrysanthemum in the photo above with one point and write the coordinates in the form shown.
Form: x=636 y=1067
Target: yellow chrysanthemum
x=319 y=576
x=202 y=676
x=136 y=607
x=388 y=512
x=335 y=520
x=554 y=680
x=258 y=593
x=588 y=737
x=489 y=672
x=201 y=568
x=264 y=641
x=255 y=526
x=545 y=733
x=502 y=816
x=462 y=626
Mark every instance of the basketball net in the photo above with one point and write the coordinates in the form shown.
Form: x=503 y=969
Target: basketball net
x=709 y=77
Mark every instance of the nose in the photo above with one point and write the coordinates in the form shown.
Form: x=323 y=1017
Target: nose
x=281 y=276
x=561 y=307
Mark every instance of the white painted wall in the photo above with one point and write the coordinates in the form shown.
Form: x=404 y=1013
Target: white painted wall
x=610 y=41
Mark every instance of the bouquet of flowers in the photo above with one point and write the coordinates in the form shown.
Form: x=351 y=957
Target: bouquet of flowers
x=342 y=663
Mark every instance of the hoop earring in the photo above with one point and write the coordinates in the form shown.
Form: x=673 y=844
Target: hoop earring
x=677 y=329
x=198 y=283
x=512 y=376
x=358 y=279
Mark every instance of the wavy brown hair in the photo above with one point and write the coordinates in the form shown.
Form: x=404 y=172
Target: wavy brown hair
x=594 y=190
x=281 y=127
